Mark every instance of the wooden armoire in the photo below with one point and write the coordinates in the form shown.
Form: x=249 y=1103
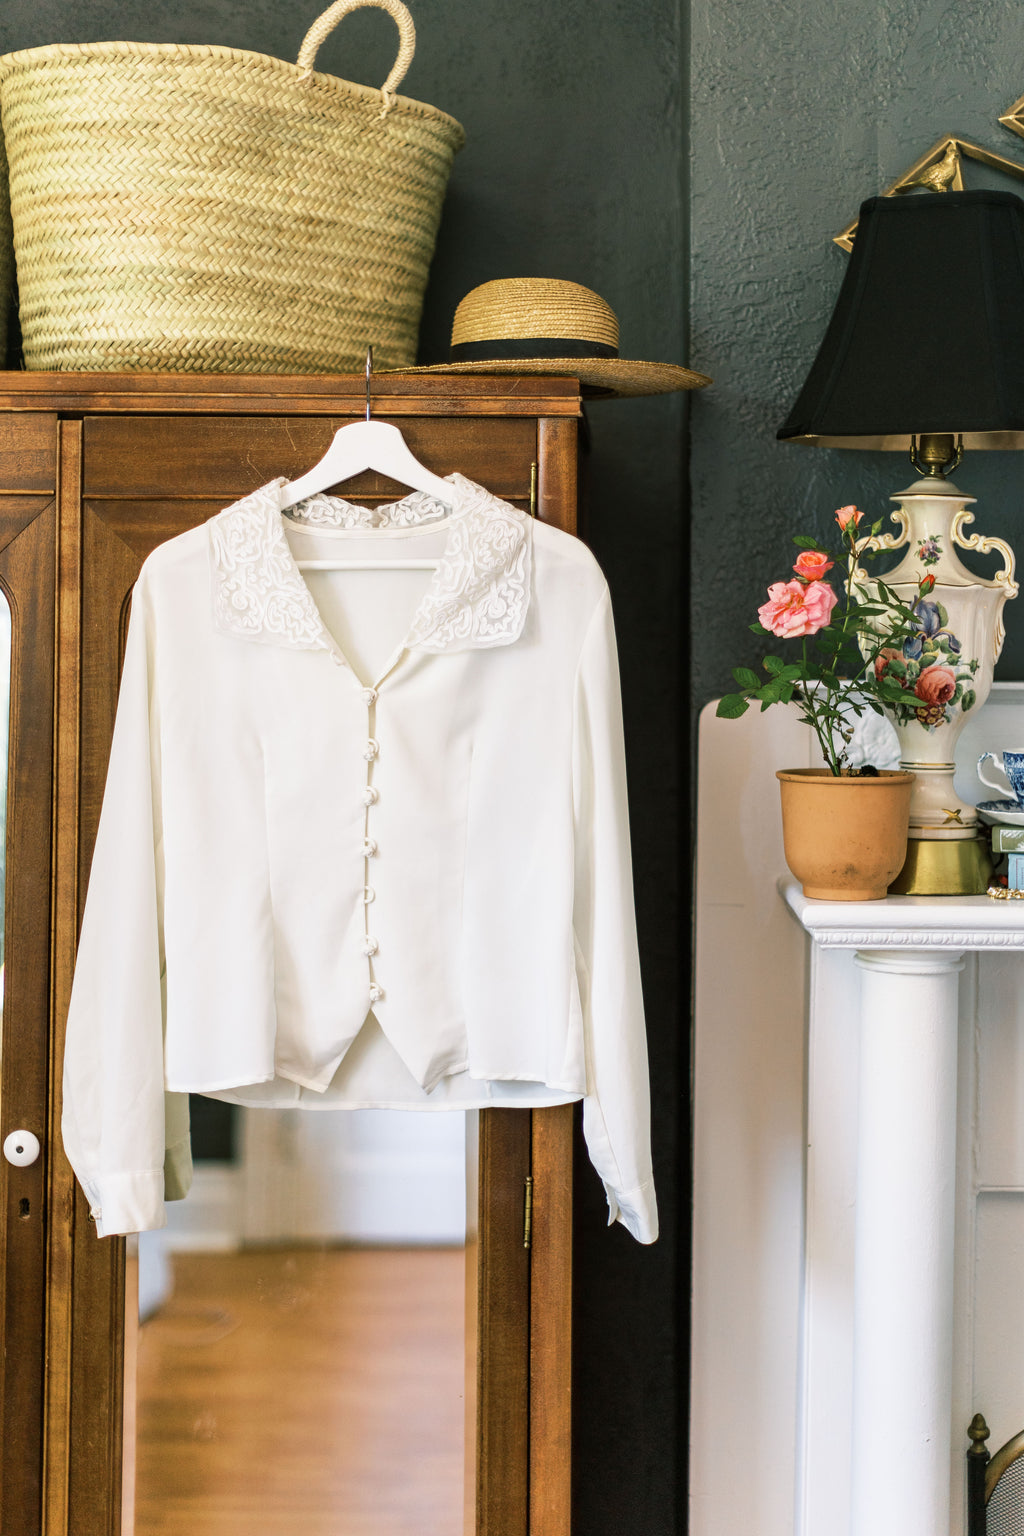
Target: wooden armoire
x=95 y=470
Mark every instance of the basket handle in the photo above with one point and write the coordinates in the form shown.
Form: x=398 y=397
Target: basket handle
x=325 y=25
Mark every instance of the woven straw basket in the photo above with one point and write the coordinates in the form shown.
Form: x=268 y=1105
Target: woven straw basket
x=6 y=256
x=201 y=209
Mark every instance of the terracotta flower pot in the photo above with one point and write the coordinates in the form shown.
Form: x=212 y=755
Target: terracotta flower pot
x=845 y=838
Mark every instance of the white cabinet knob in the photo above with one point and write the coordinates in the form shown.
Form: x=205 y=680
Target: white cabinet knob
x=21 y=1148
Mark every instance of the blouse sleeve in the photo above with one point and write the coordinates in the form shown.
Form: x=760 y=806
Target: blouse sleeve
x=125 y=1138
x=616 y=1109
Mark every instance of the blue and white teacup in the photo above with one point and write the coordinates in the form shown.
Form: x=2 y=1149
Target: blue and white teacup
x=1011 y=764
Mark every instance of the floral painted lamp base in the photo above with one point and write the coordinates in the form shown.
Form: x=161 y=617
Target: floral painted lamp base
x=947 y=664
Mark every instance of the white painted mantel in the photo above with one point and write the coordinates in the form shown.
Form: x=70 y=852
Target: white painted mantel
x=908 y=922
x=910 y=951
x=859 y=1172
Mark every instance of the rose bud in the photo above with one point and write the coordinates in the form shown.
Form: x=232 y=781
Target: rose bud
x=812 y=564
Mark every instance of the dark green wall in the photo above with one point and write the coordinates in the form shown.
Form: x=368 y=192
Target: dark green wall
x=798 y=113
x=574 y=167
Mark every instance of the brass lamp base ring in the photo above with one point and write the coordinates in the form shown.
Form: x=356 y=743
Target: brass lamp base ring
x=947 y=868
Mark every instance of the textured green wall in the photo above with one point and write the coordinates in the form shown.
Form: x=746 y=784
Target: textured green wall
x=799 y=111
x=574 y=167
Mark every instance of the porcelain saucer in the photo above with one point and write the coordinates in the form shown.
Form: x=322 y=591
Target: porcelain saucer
x=1007 y=812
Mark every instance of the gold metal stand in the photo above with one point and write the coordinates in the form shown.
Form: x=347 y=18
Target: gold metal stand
x=957 y=867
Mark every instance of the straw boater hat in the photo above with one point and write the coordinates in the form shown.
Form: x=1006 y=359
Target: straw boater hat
x=544 y=325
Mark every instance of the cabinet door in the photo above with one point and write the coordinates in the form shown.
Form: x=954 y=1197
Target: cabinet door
x=131 y=482
x=28 y=522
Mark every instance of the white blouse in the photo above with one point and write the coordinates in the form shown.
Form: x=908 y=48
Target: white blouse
x=363 y=842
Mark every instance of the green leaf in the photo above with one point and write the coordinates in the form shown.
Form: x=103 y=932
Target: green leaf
x=773 y=664
x=969 y=699
x=758 y=628
x=804 y=543
x=872 y=704
x=746 y=678
x=780 y=691
x=876 y=528
x=731 y=706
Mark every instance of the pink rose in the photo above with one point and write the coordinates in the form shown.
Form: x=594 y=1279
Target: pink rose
x=847 y=515
x=936 y=685
x=883 y=659
x=794 y=609
x=812 y=564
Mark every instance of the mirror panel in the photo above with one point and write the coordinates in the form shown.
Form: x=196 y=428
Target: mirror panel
x=299 y=1363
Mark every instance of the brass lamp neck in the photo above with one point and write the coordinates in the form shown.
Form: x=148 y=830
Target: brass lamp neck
x=933 y=454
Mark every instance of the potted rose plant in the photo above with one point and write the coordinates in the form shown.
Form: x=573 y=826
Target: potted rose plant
x=844 y=828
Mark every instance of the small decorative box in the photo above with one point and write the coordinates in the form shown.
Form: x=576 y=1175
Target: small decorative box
x=1007 y=839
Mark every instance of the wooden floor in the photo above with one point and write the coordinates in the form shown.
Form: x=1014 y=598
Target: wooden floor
x=304 y=1393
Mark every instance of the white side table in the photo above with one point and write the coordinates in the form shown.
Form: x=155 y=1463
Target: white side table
x=910 y=950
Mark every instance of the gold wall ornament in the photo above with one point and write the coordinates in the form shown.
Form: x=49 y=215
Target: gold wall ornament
x=941 y=174
x=1013 y=117
x=941 y=168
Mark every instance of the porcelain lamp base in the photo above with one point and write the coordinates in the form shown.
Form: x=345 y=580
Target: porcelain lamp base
x=945 y=664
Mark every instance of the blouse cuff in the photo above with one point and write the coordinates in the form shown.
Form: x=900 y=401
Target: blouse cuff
x=128 y=1202
x=178 y=1170
x=637 y=1210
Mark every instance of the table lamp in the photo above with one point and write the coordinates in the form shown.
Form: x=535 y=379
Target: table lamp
x=925 y=353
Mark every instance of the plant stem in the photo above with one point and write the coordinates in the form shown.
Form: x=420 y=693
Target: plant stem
x=818 y=726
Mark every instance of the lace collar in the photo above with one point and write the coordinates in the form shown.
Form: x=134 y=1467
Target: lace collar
x=478 y=595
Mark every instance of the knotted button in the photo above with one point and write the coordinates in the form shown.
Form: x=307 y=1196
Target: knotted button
x=371 y=749
x=370 y=795
x=369 y=894
x=376 y=994
x=368 y=696
x=369 y=848
x=369 y=946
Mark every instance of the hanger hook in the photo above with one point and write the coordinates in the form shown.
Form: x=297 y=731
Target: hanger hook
x=369 y=371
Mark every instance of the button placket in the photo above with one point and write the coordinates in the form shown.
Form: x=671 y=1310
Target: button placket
x=371 y=795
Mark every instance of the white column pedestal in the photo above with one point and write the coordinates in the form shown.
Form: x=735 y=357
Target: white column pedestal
x=903 y=1288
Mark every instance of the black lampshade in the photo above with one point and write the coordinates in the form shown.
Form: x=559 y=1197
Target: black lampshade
x=928 y=330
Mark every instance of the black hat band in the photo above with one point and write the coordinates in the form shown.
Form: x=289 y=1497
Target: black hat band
x=528 y=346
